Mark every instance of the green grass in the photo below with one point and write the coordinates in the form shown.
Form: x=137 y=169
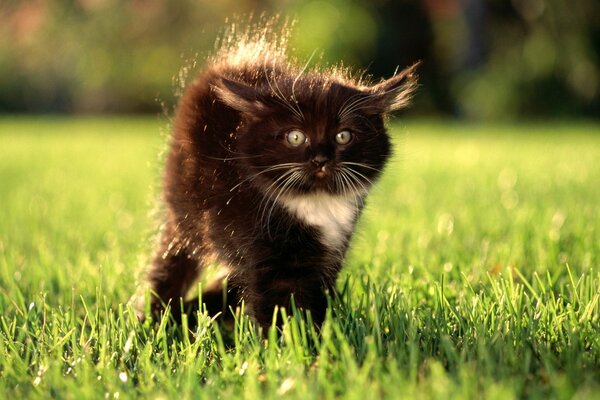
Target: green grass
x=474 y=273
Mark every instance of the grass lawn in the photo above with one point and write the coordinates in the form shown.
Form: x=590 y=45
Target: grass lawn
x=474 y=273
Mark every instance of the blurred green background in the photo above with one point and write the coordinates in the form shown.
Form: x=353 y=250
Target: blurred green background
x=481 y=59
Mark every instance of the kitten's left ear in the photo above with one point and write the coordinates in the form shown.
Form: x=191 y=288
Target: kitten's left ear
x=240 y=96
x=394 y=93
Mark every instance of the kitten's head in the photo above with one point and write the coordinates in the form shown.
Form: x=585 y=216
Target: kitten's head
x=311 y=133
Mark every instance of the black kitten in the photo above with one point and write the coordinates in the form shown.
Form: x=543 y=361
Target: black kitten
x=268 y=168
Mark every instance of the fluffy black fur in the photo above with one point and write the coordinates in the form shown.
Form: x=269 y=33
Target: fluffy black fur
x=268 y=167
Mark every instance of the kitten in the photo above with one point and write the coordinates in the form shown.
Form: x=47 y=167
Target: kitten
x=268 y=168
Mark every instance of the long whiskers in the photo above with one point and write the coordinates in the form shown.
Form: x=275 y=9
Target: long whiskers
x=273 y=192
x=368 y=166
x=348 y=180
x=296 y=81
x=286 y=187
x=279 y=96
x=272 y=188
x=356 y=177
x=264 y=171
x=354 y=103
x=349 y=188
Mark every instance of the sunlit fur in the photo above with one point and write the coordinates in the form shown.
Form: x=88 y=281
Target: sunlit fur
x=278 y=214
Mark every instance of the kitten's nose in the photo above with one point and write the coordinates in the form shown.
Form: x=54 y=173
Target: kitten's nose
x=319 y=160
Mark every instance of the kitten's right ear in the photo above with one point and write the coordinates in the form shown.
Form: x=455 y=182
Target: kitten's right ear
x=239 y=96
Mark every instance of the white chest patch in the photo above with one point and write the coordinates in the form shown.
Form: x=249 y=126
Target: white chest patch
x=334 y=216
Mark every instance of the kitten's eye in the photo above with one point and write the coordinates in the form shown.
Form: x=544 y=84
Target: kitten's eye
x=295 y=138
x=343 y=137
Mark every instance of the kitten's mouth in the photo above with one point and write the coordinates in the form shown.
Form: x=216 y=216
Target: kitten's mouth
x=321 y=173
x=320 y=179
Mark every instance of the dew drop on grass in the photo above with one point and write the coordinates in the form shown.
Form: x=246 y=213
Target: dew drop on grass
x=445 y=225
x=129 y=342
x=286 y=386
x=243 y=368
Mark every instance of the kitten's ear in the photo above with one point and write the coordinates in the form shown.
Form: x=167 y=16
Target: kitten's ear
x=240 y=96
x=394 y=93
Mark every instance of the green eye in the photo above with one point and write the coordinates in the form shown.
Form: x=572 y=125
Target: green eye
x=295 y=138
x=343 y=137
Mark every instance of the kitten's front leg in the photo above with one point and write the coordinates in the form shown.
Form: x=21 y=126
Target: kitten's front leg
x=276 y=286
x=173 y=271
x=170 y=278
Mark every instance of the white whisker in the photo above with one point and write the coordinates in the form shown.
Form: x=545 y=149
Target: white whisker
x=358 y=174
x=368 y=166
x=271 y=190
x=265 y=170
x=355 y=179
x=285 y=188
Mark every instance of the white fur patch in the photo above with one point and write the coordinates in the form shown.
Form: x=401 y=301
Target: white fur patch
x=333 y=215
